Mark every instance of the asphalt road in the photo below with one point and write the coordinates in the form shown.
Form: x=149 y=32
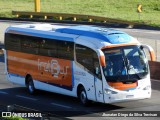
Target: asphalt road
x=65 y=107
x=69 y=107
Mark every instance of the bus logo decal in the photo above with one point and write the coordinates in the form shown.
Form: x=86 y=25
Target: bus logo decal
x=53 y=67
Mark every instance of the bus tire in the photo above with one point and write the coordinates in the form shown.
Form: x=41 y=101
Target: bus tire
x=83 y=97
x=30 y=85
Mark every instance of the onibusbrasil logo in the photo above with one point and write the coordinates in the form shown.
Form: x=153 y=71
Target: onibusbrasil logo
x=23 y=115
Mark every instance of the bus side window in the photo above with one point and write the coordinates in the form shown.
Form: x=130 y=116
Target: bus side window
x=12 y=42
x=48 y=47
x=89 y=59
x=29 y=44
x=66 y=50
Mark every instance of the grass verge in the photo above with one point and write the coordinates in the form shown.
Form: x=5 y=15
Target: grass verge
x=123 y=9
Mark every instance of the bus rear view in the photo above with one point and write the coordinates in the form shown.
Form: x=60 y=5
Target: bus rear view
x=91 y=63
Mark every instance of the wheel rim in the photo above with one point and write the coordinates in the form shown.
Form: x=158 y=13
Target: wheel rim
x=83 y=97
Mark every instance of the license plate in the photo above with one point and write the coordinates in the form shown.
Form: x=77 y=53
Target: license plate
x=129 y=96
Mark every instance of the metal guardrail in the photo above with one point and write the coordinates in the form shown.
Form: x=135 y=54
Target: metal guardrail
x=70 y=17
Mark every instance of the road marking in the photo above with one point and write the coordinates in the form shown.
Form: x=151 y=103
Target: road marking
x=30 y=109
x=26 y=97
x=89 y=112
x=1 y=92
x=68 y=107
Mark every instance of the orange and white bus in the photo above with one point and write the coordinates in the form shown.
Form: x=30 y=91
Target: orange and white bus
x=91 y=63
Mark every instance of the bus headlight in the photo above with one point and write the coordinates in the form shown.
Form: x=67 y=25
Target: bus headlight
x=108 y=91
x=147 y=87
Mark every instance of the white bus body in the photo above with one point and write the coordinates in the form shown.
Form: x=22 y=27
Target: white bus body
x=92 y=63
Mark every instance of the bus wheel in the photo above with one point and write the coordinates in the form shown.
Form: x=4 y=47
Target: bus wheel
x=30 y=85
x=83 y=97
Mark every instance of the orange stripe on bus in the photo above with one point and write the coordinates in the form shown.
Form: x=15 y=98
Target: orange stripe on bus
x=122 y=86
x=42 y=68
x=118 y=45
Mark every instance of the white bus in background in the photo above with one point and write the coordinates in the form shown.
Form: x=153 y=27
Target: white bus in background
x=92 y=63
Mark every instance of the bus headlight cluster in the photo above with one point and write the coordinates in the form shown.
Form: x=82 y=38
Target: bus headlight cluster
x=147 y=87
x=108 y=91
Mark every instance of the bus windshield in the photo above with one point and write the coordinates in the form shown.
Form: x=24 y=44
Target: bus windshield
x=127 y=63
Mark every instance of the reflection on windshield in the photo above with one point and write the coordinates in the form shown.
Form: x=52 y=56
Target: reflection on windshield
x=125 y=63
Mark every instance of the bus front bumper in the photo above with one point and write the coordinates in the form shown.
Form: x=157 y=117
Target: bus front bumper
x=122 y=96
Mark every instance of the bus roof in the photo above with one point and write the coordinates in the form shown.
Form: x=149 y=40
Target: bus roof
x=72 y=33
x=104 y=34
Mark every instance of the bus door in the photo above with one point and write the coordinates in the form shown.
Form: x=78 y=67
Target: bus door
x=92 y=77
x=98 y=81
x=99 y=90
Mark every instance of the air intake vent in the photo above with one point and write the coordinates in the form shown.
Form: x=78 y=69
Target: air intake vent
x=32 y=26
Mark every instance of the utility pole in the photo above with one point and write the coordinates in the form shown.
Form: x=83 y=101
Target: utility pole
x=37 y=5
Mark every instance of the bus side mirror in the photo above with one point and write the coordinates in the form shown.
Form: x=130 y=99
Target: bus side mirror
x=102 y=61
x=101 y=58
x=151 y=52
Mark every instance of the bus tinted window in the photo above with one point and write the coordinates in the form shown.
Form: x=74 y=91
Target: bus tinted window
x=29 y=44
x=41 y=46
x=88 y=58
x=12 y=42
x=65 y=50
x=48 y=47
